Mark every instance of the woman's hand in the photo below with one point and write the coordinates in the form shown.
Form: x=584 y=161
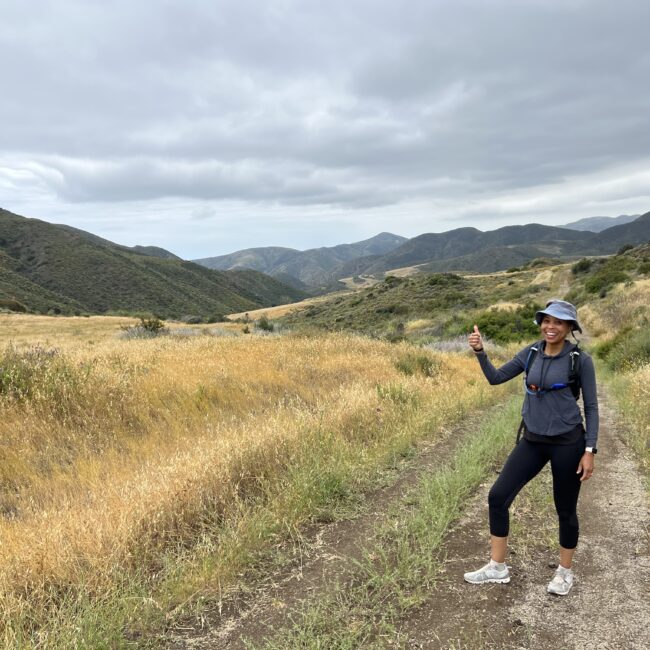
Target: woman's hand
x=475 y=340
x=586 y=466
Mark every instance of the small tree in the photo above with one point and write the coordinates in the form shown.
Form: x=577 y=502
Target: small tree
x=153 y=325
x=265 y=324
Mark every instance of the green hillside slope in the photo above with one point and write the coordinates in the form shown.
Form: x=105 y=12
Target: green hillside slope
x=445 y=304
x=87 y=274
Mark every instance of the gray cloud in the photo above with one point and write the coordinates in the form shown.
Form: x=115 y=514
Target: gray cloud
x=349 y=106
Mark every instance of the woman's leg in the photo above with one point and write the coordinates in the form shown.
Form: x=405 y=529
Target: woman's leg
x=499 y=547
x=566 y=489
x=524 y=463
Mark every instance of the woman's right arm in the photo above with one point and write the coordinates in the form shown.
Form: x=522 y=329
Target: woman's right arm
x=495 y=375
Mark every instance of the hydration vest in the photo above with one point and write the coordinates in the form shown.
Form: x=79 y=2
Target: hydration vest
x=573 y=383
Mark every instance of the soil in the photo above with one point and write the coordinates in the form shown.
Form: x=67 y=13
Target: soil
x=608 y=607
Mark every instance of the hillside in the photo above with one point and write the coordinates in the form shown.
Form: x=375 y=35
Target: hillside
x=442 y=305
x=317 y=267
x=530 y=241
x=598 y=224
x=458 y=250
x=154 y=251
x=469 y=249
x=610 y=240
x=53 y=268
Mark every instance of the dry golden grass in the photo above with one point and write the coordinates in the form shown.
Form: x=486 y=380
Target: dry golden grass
x=76 y=332
x=625 y=306
x=506 y=306
x=418 y=324
x=405 y=271
x=543 y=277
x=282 y=310
x=123 y=456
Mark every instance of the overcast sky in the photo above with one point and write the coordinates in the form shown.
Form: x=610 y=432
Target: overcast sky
x=205 y=127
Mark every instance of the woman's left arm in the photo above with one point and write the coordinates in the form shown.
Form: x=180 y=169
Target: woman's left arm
x=590 y=401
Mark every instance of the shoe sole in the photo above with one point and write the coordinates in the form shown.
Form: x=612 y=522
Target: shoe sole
x=501 y=581
x=558 y=593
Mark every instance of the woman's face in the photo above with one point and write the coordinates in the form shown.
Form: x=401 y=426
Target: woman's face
x=555 y=330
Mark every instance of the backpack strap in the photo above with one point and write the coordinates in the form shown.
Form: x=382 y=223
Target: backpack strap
x=532 y=353
x=574 y=371
x=520 y=431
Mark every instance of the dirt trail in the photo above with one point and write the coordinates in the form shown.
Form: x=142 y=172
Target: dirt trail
x=319 y=558
x=608 y=608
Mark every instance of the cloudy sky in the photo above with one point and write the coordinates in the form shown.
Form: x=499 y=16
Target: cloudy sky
x=210 y=126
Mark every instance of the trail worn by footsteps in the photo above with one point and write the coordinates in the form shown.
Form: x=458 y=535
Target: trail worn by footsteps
x=609 y=605
x=321 y=557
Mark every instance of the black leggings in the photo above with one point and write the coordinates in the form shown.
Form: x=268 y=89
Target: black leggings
x=524 y=463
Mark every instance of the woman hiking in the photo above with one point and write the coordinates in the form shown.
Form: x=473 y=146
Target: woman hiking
x=552 y=431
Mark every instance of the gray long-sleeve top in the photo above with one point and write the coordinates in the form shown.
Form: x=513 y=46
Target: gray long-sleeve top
x=556 y=411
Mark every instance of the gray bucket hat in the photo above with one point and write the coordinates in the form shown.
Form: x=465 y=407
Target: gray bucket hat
x=560 y=309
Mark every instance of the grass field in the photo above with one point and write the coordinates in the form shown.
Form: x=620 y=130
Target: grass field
x=138 y=474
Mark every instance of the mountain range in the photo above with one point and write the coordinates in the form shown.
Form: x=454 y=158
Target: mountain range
x=317 y=267
x=52 y=268
x=462 y=249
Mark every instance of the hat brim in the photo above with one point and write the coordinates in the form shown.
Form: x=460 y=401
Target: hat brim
x=575 y=326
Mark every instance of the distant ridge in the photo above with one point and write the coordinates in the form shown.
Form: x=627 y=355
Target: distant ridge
x=633 y=233
x=461 y=249
x=473 y=250
x=316 y=267
x=598 y=224
x=469 y=249
x=50 y=268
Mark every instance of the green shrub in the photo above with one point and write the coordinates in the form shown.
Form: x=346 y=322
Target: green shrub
x=503 y=326
x=393 y=309
x=40 y=374
x=265 y=324
x=422 y=364
x=453 y=298
x=12 y=305
x=540 y=261
x=644 y=267
x=582 y=266
x=397 y=394
x=18 y=370
x=147 y=328
x=191 y=320
x=444 y=279
x=153 y=324
x=629 y=349
x=604 y=280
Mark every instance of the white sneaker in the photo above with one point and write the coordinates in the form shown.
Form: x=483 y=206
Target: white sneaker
x=488 y=573
x=562 y=582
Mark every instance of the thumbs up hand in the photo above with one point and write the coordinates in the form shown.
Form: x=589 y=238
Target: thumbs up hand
x=475 y=340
